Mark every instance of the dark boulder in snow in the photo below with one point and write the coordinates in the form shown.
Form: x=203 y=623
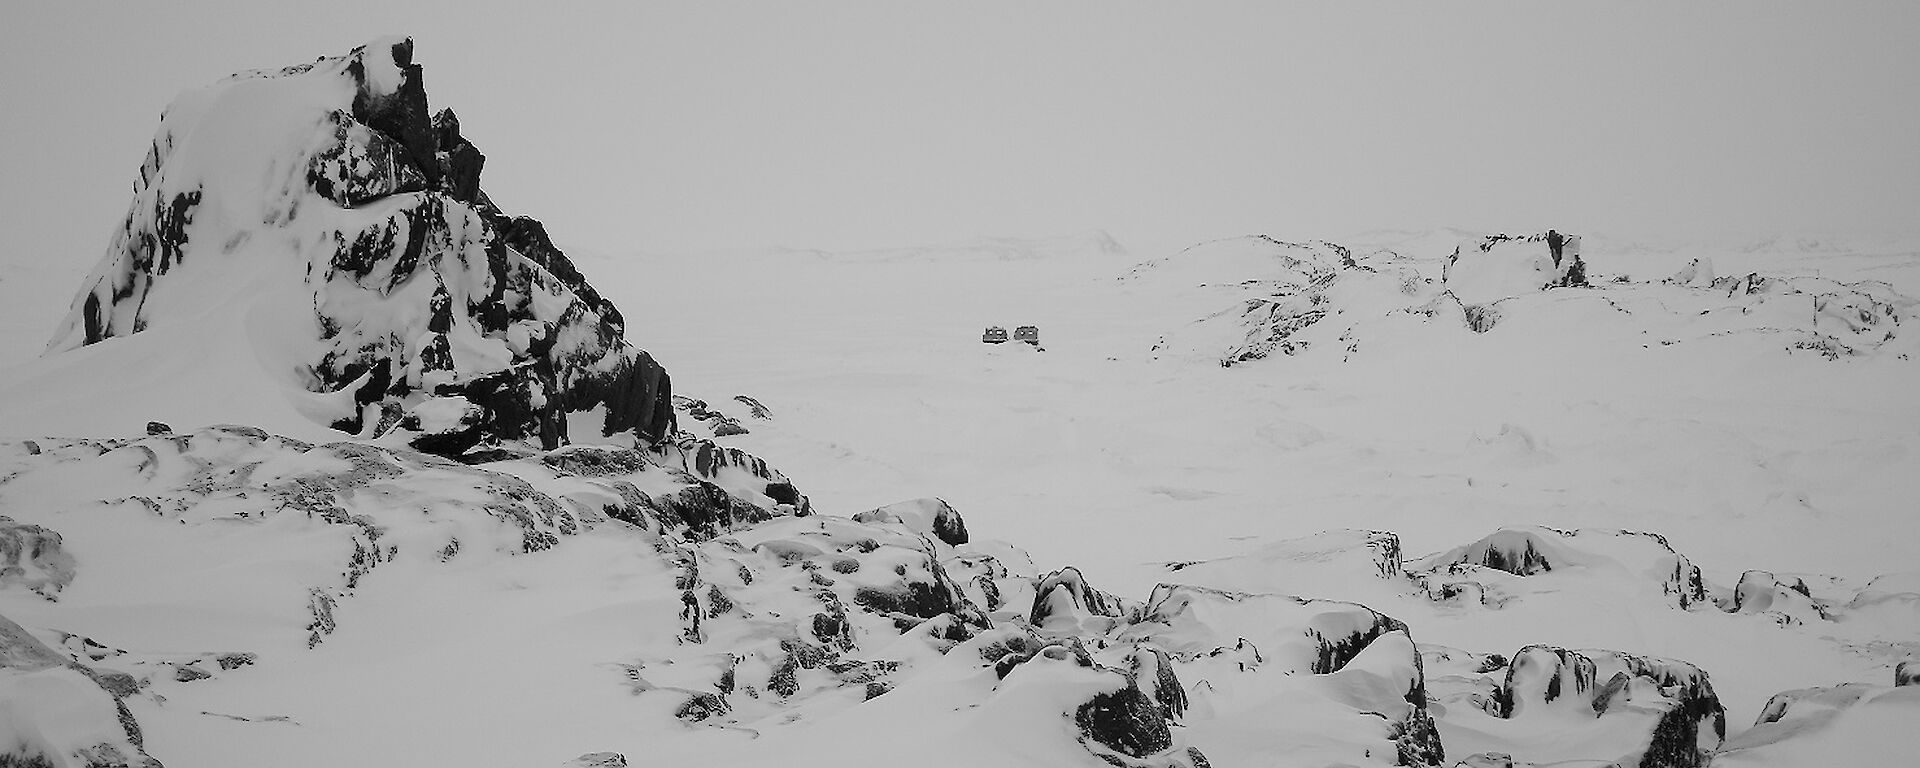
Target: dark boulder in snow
x=354 y=223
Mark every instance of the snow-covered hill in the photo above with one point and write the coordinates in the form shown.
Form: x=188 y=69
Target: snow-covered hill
x=1409 y=499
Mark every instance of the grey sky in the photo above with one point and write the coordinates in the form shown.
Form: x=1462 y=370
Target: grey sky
x=846 y=125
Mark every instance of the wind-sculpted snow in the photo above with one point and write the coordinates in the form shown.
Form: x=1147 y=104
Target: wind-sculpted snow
x=322 y=206
x=1852 y=723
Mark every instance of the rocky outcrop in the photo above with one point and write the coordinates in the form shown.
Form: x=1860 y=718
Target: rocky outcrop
x=32 y=557
x=1277 y=290
x=928 y=517
x=440 y=315
x=1484 y=570
x=1064 y=601
x=1667 y=708
x=62 y=713
x=1488 y=268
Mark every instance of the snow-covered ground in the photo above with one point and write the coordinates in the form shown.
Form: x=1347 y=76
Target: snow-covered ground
x=1234 y=416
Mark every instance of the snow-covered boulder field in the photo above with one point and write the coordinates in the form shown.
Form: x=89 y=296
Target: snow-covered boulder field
x=426 y=504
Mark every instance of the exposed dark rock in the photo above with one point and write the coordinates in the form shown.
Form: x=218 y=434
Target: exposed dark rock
x=1906 y=673
x=158 y=428
x=362 y=165
x=401 y=113
x=701 y=706
x=459 y=161
x=1152 y=671
x=1125 y=721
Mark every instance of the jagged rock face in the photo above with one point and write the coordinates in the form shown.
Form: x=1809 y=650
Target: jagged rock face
x=330 y=180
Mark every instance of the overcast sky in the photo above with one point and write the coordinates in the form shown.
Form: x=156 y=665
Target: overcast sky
x=850 y=125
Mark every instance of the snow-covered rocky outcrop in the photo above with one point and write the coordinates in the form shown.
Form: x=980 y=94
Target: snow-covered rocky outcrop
x=1261 y=293
x=1257 y=296
x=57 y=712
x=1489 y=268
x=327 y=212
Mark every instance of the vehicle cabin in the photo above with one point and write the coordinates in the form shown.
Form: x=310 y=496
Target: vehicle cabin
x=1027 y=333
x=994 y=335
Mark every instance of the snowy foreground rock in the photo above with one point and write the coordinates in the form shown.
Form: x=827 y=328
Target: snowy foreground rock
x=508 y=547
